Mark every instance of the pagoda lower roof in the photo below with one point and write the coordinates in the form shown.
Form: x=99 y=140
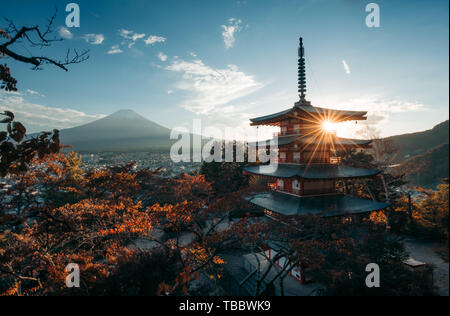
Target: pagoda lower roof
x=311 y=171
x=309 y=110
x=309 y=140
x=320 y=205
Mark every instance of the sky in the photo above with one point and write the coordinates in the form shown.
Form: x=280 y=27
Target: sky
x=225 y=61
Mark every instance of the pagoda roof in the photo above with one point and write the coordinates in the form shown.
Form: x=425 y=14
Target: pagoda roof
x=309 y=140
x=320 y=205
x=311 y=111
x=311 y=171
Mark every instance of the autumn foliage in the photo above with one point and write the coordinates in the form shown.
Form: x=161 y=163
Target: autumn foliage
x=134 y=232
x=105 y=219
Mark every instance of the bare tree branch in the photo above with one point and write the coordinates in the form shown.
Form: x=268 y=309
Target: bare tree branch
x=37 y=37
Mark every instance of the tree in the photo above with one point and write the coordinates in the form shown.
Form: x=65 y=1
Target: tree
x=36 y=37
x=16 y=152
x=333 y=252
x=8 y=83
x=385 y=187
x=91 y=233
x=430 y=214
x=140 y=274
x=226 y=177
x=104 y=224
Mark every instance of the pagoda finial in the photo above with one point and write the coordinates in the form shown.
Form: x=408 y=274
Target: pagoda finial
x=301 y=71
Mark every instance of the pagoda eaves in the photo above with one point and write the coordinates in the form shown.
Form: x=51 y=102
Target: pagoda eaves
x=309 y=112
x=323 y=205
x=312 y=171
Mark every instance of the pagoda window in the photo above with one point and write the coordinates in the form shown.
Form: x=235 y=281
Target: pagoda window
x=295 y=187
x=282 y=156
x=280 y=183
x=297 y=129
x=296 y=273
x=282 y=262
x=284 y=130
x=297 y=157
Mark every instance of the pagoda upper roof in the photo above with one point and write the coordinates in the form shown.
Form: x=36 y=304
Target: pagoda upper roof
x=311 y=111
x=311 y=171
x=321 y=205
x=310 y=140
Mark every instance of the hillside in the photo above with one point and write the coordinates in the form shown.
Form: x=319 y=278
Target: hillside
x=421 y=142
x=429 y=168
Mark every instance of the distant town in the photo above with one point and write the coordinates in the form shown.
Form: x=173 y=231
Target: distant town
x=142 y=160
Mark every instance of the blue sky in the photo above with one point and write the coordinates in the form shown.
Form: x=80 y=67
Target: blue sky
x=225 y=61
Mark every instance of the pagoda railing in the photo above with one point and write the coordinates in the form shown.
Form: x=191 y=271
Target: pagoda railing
x=335 y=160
x=277 y=188
x=292 y=161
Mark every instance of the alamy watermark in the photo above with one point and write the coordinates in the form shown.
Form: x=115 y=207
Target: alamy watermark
x=73 y=278
x=220 y=146
x=73 y=18
x=373 y=278
x=373 y=18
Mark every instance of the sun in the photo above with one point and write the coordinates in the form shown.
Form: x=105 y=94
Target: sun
x=329 y=126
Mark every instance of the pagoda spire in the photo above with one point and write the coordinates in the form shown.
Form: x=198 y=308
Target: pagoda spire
x=301 y=72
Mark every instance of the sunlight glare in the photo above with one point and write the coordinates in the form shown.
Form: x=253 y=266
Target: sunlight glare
x=329 y=126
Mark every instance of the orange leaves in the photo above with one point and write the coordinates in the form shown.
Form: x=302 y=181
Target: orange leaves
x=378 y=217
x=103 y=218
x=13 y=290
x=111 y=185
x=85 y=232
x=103 y=221
x=174 y=217
x=218 y=260
x=164 y=289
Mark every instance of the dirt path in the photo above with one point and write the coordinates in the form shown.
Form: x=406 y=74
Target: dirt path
x=423 y=251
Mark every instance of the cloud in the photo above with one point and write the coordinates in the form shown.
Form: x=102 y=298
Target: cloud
x=115 y=50
x=130 y=37
x=152 y=39
x=32 y=92
x=193 y=54
x=94 y=39
x=212 y=88
x=136 y=36
x=65 y=33
x=38 y=117
x=229 y=31
x=162 y=56
x=125 y=33
x=346 y=67
x=157 y=65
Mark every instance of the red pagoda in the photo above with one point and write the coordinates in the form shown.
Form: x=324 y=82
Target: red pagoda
x=305 y=181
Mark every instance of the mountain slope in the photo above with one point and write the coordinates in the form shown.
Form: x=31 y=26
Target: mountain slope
x=427 y=169
x=421 y=142
x=124 y=130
